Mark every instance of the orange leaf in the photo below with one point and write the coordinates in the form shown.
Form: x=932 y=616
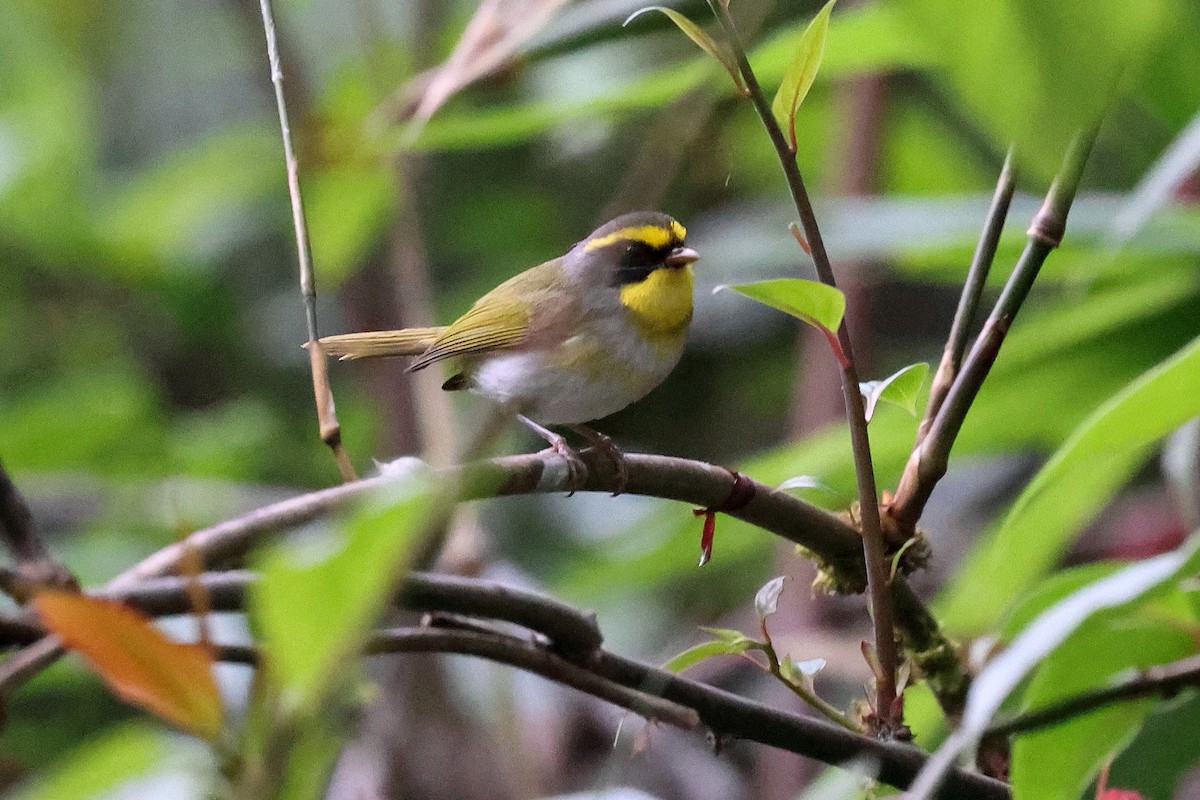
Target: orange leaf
x=139 y=663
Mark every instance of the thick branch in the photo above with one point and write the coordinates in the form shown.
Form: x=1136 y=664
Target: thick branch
x=1165 y=681
x=695 y=483
x=928 y=462
x=877 y=569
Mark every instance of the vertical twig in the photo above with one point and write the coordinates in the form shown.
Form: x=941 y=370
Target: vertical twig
x=928 y=461
x=886 y=707
x=968 y=302
x=330 y=430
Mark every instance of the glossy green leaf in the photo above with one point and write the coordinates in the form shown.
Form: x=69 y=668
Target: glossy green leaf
x=901 y=389
x=1071 y=489
x=1058 y=763
x=697 y=35
x=801 y=72
x=719 y=647
x=314 y=605
x=813 y=302
x=1004 y=673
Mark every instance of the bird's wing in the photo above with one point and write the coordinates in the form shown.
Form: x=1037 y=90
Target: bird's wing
x=407 y=342
x=519 y=309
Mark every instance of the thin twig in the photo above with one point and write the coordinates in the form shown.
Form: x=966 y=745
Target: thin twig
x=661 y=695
x=968 y=302
x=928 y=462
x=697 y=484
x=873 y=547
x=1165 y=681
x=330 y=430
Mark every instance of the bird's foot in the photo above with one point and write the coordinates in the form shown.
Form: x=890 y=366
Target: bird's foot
x=606 y=447
x=576 y=469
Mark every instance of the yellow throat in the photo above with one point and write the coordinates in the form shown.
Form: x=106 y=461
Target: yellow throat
x=662 y=303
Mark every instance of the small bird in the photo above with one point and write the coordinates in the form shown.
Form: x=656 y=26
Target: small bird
x=569 y=341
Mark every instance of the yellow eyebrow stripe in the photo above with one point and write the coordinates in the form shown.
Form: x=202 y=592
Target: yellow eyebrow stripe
x=652 y=235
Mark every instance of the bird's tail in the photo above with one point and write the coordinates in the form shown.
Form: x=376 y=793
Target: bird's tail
x=407 y=342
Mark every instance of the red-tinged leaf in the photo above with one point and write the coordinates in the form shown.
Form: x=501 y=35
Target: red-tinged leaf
x=1120 y=794
x=707 y=534
x=139 y=663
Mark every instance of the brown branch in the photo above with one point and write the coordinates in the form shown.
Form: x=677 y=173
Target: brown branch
x=873 y=545
x=1165 y=681
x=662 y=695
x=834 y=543
x=571 y=630
x=572 y=656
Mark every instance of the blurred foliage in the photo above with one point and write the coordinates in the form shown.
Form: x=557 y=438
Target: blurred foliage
x=151 y=380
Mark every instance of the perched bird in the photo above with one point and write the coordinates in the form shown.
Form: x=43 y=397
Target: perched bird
x=569 y=341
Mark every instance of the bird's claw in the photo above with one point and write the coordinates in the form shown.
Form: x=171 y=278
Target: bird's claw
x=606 y=447
x=576 y=469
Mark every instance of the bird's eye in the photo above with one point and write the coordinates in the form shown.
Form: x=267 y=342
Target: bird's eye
x=637 y=261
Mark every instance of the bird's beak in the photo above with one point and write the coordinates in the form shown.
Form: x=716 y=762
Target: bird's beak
x=682 y=256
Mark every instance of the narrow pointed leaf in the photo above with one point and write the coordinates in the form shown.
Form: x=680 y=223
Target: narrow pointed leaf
x=697 y=35
x=767 y=599
x=811 y=301
x=700 y=652
x=901 y=389
x=801 y=73
x=138 y=662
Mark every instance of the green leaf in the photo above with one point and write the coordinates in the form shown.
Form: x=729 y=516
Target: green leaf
x=767 y=599
x=730 y=636
x=697 y=35
x=1058 y=762
x=1042 y=637
x=700 y=652
x=315 y=608
x=900 y=389
x=813 y=302
x=801 y=73
x=97 y=767
x=1071 y=489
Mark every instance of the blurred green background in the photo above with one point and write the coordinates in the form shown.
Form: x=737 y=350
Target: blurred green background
x=151 y=380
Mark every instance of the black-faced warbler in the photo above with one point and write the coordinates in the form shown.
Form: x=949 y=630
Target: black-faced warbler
x=568 y=341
